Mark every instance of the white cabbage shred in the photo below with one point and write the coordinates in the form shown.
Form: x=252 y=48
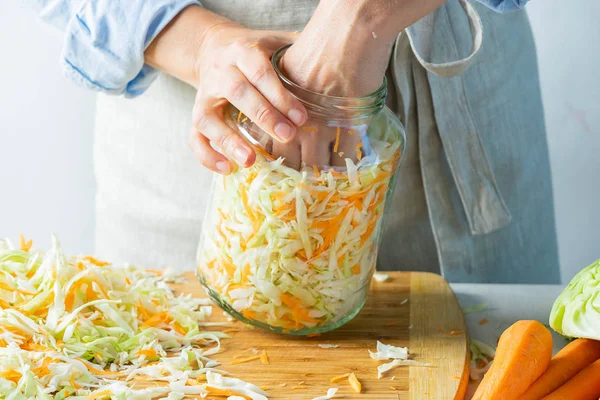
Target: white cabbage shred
x=398 y=355
x=330 y=393
x=379 y=277
x=77 y=327
x=296 y=249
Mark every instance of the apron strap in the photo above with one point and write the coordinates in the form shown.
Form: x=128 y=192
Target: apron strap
x=420 y=36
x=482 y=201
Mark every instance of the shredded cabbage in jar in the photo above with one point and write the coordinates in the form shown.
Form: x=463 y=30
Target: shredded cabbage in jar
x=77 y=327
x=295 y=250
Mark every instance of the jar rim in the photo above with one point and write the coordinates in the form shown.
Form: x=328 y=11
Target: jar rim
x=373 y=101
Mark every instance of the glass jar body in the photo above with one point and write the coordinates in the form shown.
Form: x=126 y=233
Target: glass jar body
x=293 y=249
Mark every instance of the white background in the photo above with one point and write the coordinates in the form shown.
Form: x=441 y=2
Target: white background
x=46 y=130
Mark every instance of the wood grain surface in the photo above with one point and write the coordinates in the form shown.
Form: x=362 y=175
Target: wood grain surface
x=417 y=310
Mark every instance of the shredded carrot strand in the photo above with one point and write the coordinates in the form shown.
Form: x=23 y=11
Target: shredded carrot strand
x=358 y=152
x=309 y=128
x=316 y=170
x=264 y=358
x=393 y=323
x=95 y=261
x=239 y=118
x=25 y=245
x=355 y=383
x=351 y=131
x=339 y=378
x=245 y=360
x=337 y=140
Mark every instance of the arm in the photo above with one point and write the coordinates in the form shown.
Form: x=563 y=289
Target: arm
x=226 y=63
x=354 y=39
x=105 y=39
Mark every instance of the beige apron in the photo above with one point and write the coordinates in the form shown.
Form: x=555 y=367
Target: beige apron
x=471 y=161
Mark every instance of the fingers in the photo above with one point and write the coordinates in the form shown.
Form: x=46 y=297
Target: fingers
x=209 y=124
x=316 y=148
x=290 y=151
x=208 y=156
x=257 y=68
x=348 y=141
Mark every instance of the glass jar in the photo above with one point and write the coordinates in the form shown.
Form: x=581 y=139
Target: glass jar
x=292 y=247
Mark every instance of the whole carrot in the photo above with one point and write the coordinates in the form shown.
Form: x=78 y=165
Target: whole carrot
x=564 y=365
x=522 y=356
x=583 y=386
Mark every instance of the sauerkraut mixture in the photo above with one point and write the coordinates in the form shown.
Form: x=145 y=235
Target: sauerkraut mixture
x=296 y=249
x=80 y=328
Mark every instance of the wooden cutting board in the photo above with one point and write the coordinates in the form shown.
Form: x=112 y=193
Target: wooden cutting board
x=412 y=309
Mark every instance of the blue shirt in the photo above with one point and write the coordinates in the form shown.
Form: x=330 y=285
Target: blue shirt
x=105 y=39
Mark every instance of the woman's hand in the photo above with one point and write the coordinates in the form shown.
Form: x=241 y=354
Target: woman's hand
x=229 y=64
x=234 y=66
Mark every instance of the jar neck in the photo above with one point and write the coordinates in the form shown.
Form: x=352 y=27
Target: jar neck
x=331 y=108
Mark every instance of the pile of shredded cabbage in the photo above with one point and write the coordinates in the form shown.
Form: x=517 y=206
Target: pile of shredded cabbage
x=296 y=250
x=80 y=328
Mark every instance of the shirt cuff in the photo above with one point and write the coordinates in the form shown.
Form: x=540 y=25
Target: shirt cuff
x=106 y=39
x=504 y=6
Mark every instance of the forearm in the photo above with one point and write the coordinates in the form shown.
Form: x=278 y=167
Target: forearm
x=354 y=38
x=176 y=49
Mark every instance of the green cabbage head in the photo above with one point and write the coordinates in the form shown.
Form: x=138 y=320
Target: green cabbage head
x=576 y=312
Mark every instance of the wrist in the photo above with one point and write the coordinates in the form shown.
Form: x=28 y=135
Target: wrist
x=180 y=46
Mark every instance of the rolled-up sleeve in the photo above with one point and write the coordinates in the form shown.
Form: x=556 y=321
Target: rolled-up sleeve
x=105 y=40
x=504 y=6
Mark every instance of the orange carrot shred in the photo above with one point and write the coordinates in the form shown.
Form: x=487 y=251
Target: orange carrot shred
x=339 y=378
x=264 y=358
x=351 y=131
x=298 y=387
x=24 y=245
x=245 y=360
x=255 y=44
x=337 y=140
x=313 y=335
x=393 y=323
x=355 y=383
x=244 y=119
x=239 y=118
x=483 y=321
x=309 y=128
x=358 y=152
x=95 y=261
x=316 y=170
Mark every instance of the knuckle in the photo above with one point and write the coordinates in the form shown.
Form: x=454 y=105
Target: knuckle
x=200 y=119
x=279 y=99
x=236 y=90
x=226 y=141
x=263 y=114
x=240 y=43
x=259 y=74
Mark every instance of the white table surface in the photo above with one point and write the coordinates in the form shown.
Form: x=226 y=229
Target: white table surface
x=506 y=304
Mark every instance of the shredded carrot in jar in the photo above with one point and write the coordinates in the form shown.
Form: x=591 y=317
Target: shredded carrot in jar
x=337 y=140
